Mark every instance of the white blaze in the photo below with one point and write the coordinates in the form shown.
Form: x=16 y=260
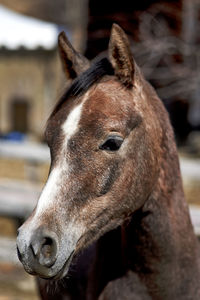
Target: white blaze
x=70 y=126
x=50 y=193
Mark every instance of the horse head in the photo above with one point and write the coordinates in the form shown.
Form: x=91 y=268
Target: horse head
x=104 y=137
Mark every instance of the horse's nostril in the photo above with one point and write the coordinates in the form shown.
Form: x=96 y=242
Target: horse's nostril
x=47 y=248
x=44 y=250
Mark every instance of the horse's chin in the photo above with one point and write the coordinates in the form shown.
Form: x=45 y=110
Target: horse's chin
x=64 y=270
x=50 y=274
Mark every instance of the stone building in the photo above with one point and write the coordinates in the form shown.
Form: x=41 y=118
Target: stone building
x=28 y=78
x=28 y=87
x=30 y=71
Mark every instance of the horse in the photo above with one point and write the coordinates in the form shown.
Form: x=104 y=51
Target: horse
x=111 y=221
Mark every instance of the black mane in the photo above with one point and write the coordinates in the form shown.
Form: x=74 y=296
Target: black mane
x=85 y=80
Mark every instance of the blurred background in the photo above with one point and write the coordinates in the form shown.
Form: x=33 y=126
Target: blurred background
x=165 y=40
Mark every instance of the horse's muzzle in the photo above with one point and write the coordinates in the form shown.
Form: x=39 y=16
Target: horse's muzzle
x=38 y=252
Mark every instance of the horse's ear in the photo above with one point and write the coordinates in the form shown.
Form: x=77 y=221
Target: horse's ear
x=73 y=62
x=120 y=56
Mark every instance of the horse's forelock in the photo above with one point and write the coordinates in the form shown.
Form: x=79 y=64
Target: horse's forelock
x=85 y=80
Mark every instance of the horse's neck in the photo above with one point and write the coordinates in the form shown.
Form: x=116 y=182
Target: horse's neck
x=159 y=241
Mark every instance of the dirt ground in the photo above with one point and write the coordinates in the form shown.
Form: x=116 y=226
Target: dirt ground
x=15 y=284
x=192 y=192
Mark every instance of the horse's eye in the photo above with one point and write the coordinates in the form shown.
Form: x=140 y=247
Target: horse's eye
x=113 y=143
